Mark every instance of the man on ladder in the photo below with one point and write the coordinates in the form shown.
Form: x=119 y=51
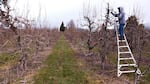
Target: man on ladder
x=121 y=18
x=126 y=61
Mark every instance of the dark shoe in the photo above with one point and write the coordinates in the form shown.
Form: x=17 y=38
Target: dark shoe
x=121 y=38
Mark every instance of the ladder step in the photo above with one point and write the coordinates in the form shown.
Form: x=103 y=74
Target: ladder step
x=124 y=52
x=126 y=58
x=119 y=34
x=123 y=46
x=124 y=65
x=131 y=71
x=122 y=40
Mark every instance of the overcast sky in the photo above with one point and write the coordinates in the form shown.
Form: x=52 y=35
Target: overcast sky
x=53 y=12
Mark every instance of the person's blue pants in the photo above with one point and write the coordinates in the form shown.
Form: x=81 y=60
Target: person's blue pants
x=121 y=30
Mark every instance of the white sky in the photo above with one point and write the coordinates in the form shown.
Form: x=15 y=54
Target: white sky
x=54 y=12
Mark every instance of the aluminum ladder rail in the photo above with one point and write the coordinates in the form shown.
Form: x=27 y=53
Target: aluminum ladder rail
x=128 y=51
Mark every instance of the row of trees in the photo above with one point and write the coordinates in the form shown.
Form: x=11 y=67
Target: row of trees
x=26 y=42
x=103 y=39
x=96 y=36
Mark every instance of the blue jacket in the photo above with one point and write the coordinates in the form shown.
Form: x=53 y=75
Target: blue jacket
x=120 y=15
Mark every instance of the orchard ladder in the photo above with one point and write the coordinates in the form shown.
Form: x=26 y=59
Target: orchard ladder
x=126 y=61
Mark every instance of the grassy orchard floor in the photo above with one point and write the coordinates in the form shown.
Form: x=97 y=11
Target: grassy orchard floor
x=62 y=67
x=7 y=59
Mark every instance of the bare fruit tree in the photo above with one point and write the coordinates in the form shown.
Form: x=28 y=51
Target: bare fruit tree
x=103 y=38
x=8 y=21
x=90 y=22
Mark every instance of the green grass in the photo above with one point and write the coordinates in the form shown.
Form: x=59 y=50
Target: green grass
x=61 y=67
x=7 y=58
